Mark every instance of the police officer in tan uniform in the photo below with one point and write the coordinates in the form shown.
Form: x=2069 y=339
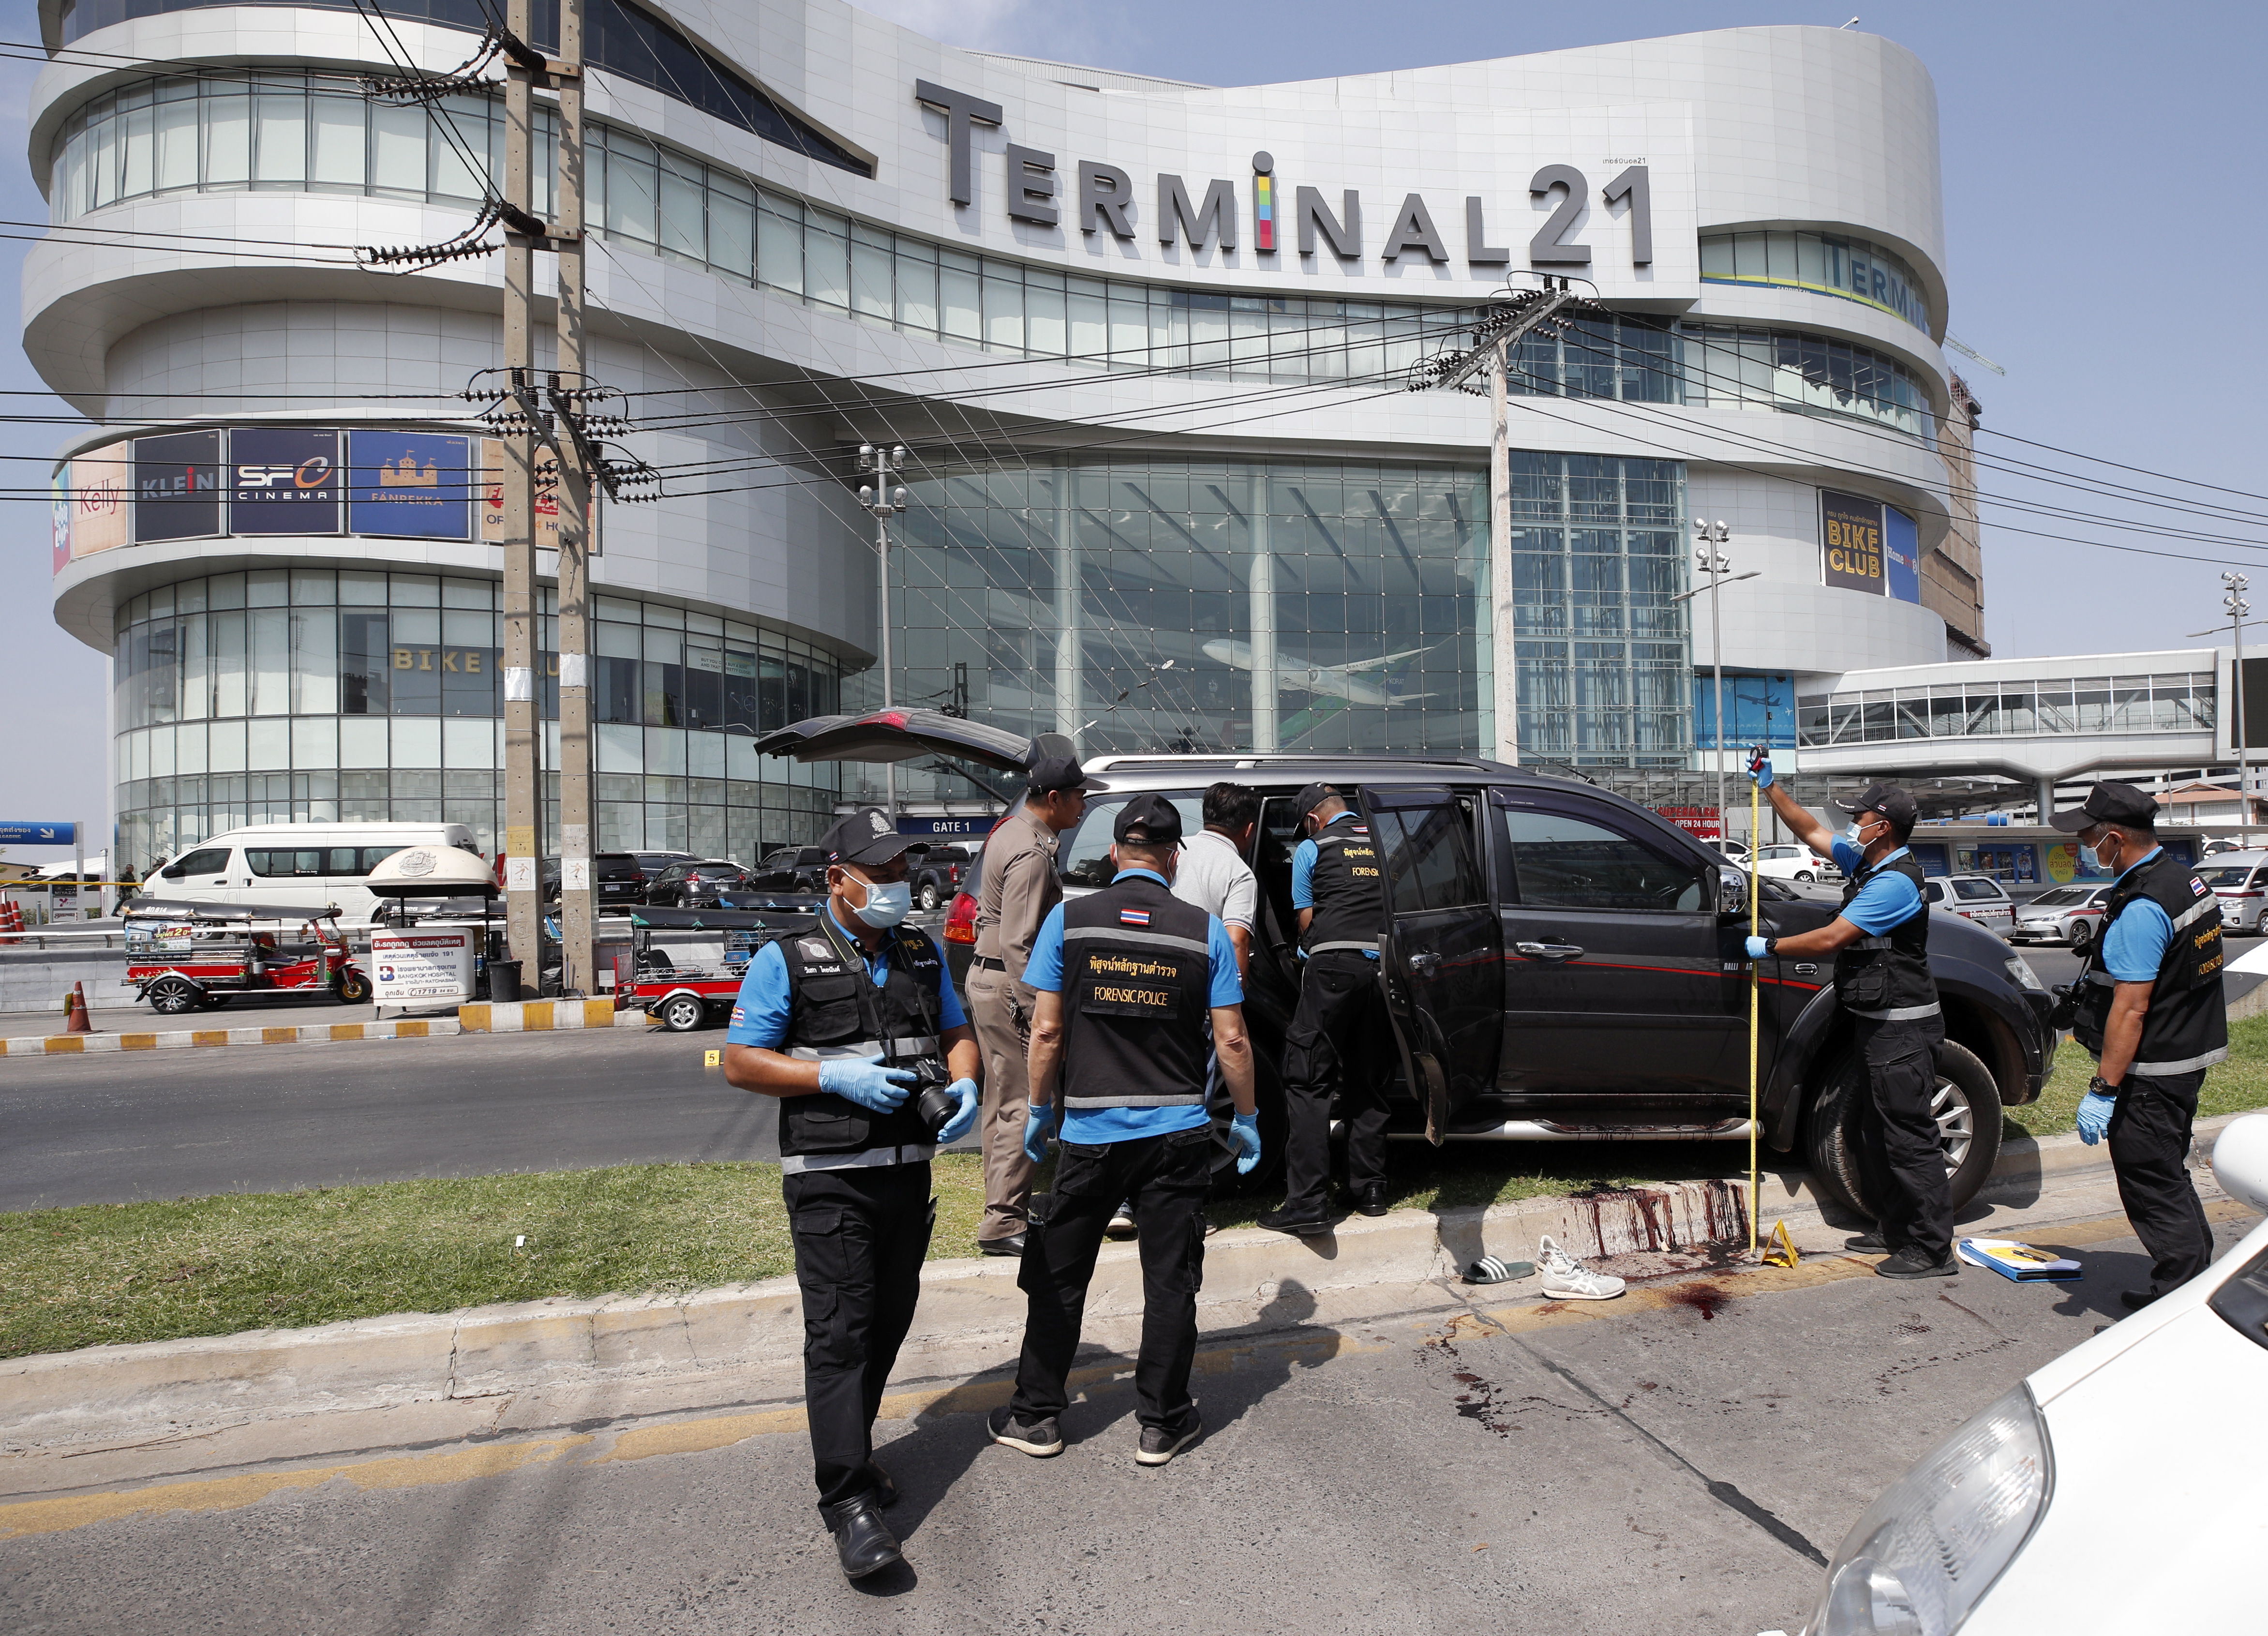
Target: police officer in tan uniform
x=1017 y=888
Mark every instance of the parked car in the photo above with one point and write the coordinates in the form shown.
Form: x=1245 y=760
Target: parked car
x=2069 y=914
x=694 y=882
x=615 y=878
x=1729 y=847
x=2240 y=881
x=792 y=869
x=1784 y=860
x=1979 y=898
x=935 y=874
x=2002 y=1529
x=298 y=865
x=1561 y=963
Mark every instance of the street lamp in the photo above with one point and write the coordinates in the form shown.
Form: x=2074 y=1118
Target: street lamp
x=885 y=501
x=1708 y=558
x=2233 y=599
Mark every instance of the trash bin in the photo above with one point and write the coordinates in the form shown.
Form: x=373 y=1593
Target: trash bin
x=503 y=980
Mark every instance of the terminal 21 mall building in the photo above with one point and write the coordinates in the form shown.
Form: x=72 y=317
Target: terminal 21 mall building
x=1148 y=344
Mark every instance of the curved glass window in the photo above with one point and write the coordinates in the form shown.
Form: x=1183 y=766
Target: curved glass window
x=1853 y=269
x=618 y=37
x=281 y=694
x=2016 y=706
x=1787 y=370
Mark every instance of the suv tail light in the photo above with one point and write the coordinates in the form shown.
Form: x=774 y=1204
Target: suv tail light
x=960 y=920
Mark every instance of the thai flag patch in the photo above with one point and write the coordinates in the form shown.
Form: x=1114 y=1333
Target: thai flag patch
x=1133 y=917
x=739 y=1015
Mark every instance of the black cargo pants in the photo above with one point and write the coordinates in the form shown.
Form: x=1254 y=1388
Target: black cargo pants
x=860 y=1235
x=2149 y=1152
x=1901 y=1153
x=1167 y=1178
x=1341 y=1040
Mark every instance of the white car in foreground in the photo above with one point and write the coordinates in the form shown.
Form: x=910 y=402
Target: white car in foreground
x=2121 y=1490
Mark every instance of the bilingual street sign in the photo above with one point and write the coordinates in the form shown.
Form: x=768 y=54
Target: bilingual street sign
x=38 y=834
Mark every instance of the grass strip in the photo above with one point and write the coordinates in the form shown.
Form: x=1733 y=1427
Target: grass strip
x=166 y=1269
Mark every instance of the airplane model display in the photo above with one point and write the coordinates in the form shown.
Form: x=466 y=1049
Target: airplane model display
x=1372 y=682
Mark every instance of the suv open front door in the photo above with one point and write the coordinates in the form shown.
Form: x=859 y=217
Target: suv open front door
x=1442 y=951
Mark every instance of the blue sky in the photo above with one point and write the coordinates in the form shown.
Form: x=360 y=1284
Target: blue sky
x=2101 y=167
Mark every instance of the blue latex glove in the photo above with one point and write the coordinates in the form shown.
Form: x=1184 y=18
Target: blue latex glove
x=1038 y=1122
x=964 y=1120
x=1760 y=768
x=2094 y=1111
x=1755 y=948
x=863 y=1080
x=1244 y=1132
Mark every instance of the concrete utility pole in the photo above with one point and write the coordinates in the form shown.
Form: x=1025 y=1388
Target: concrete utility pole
x=1504 y=672
x=575 y=926
x=1709 y=558
x=885 y=466
x=2237 y=607
x=523 y=779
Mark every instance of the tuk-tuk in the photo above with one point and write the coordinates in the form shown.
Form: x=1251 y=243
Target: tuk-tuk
x=184 y=956
x=687 y=963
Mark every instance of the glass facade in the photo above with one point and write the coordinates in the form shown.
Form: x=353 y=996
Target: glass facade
x=303 y=132
x=1831 y=264
x=2078 y=704
x=314 y=694
x=1604 y=655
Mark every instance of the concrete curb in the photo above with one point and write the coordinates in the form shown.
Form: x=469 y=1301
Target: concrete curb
x=530 y=1016
x=313 y=1033
x=970 y=1317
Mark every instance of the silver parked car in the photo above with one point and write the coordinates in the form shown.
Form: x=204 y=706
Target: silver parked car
x=1979 y=898
x=2240 y=880
x=2069 y=914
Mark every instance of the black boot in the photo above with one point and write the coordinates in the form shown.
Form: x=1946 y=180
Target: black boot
x=862 y=1540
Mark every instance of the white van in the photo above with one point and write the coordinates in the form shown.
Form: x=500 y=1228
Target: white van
x=305 y=864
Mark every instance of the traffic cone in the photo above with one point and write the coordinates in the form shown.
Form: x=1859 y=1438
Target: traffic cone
x=75 y=1017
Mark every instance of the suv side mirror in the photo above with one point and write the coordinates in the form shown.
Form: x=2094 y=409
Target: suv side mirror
x=1731 y=892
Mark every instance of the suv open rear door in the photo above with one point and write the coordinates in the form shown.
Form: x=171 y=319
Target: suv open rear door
x=1442 y=951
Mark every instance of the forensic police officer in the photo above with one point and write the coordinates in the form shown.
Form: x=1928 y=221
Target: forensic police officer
x=1135 y=989
x=1883 y=981
x=831 y=1021
x=1340 y=1040
x=2149 y=1010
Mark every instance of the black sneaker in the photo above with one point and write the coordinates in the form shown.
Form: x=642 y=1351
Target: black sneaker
x=1907 y=1265
x=863 y=1542
x=1158 y=1444
x=1307 y=1223
x=1037 y=1438
x=1871 y=1243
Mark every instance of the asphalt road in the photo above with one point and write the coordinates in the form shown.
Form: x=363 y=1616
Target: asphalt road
x=1684 y=1469
x=163 y=1124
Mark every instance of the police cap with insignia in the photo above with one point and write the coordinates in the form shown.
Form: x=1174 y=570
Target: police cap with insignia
x=1887 y=800
x=2110 y=801
x=863 y=836
x=1148 y=820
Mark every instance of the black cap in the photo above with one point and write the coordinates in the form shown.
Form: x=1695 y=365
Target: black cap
x=863 y=836
x=1051 y=763
x=1148 y=820
x=1887 y=800
x=2110 y=801
x=1313 y=796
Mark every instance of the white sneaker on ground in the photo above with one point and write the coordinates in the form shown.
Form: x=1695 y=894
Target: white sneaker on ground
x=1566 y=1279
x=1122 y=1220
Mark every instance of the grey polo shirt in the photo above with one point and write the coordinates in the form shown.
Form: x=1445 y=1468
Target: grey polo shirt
x=1213 y=878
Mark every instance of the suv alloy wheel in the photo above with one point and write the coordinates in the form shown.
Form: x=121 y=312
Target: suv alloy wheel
x=1966 y=1106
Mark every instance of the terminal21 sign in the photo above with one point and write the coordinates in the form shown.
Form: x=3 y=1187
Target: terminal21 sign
x=1266 y=214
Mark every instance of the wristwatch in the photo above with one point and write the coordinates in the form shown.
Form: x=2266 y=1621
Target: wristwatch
x=1772 y=948
x=2101 y=1087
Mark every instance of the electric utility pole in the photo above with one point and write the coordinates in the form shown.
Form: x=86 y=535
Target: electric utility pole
x=576 y=926
x=1514 y=317
x=885 y=466
x=523 y=775
x=2237 y=607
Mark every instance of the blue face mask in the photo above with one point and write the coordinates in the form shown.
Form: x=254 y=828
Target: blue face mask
x=2088 y=857
x=886 y=904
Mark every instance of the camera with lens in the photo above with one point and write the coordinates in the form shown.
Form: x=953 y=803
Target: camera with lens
x=932 y=1102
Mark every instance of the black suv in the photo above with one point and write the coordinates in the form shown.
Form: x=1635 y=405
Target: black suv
x=1560 y=963
x=615 y=878
x=792 y=869
x=695 y=882
x=936 y=874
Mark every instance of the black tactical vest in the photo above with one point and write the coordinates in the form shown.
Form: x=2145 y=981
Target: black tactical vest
x=1137 y=999
x=1886 y=978
x=2187 y=1025
x=1349 y=884
x=835 y=1010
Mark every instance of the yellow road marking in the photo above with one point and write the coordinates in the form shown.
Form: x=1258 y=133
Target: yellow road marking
x=137 y=1041
x=714 y=1432
x=209 y=1036
x=59 y=1044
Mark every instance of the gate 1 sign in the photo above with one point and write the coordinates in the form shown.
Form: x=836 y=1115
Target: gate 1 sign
x=1851 y=541
x=1702 y=823
x=430 y=967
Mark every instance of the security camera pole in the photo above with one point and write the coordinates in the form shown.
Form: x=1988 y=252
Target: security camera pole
x=885 y=466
